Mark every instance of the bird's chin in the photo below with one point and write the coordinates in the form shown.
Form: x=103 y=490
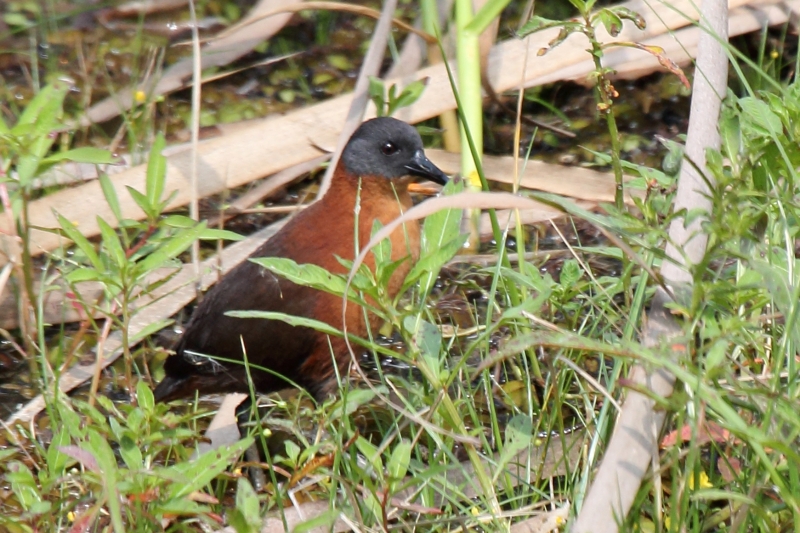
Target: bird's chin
x=422 y=167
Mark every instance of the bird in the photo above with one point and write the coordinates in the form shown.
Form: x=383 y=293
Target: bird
x=379 y=162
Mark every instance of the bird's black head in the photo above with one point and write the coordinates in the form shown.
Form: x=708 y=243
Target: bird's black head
x=388 y=148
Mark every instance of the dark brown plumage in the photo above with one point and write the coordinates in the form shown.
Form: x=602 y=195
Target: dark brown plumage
x=382 y=157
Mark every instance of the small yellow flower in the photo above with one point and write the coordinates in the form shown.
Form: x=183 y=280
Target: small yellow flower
x=71 y=516
x=702 y=481
x=140 y=97
x=774 y=54
x=475 y=511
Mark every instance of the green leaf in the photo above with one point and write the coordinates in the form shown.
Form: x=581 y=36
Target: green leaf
x=23 y=484
x=760 y=117
x=84 y=154
x=56 y=460
x=528 y=305
x=130 y=452
x=371 y=454
x=570 y=273
x=427 y=337
x=156 y=171
x=172 y=248
x=112 y=244
x=716 y=357
x=307 y=275
x=490 y=11
x=441 y=240
x=610 y=20
x=429 y=265
x=179 y=221
x=83 y=274
x=213 y=234
x=246 y=517
x=408 y=96
x=110 y=194
x=779 y=283
x=28 y=165
x=80 y=241
x=377 y=95
x=74 y=424
x=385 y=274
x=356 y=398
x=289 y=319
x=518 y=436
x=292 y=450
x=629 y=14
x=383 y=250
x=445 y=225
x=537 y=23
x=150 y=211
x=567 y=29
x=145 y=396
x=43 y=111
x=398 y=463
x=182 y=507
x=7 y=454
x=98 y=446
x=731 y=135
x=194 y=475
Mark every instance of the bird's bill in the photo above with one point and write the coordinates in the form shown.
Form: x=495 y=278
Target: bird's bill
x=423 y=189
x=421 y=166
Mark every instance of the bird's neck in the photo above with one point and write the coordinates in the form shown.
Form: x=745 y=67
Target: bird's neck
x=382 y=193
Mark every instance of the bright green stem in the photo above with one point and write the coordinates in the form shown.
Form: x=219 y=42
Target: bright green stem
x=468 y=59
x=430 y=16
x=126 y=348
x=469 y=85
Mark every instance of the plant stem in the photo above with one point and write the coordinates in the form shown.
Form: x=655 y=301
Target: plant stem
x=27 y=320
x=469 y=86
x=448 y=120
x=126 y=349
x=605 y=94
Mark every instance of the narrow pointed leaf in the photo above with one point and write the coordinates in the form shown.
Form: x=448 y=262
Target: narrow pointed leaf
x=80 y=241
x=40 y=109
x=110 y=194
x=171 y=249
x=112 y=243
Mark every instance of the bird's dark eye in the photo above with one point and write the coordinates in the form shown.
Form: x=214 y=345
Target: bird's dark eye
x=389 y=148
